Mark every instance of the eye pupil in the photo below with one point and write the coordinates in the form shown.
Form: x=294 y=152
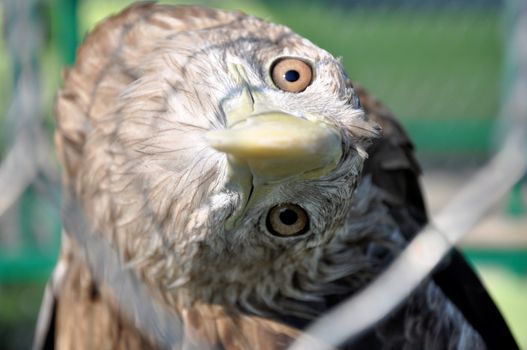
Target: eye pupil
x=288 y=217
x=286 y=220
x=291 y=75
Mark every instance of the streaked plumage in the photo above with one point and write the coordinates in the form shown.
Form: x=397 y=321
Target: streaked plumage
x=133 y=117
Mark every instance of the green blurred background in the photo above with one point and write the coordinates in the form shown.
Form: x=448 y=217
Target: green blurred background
x=440 y=65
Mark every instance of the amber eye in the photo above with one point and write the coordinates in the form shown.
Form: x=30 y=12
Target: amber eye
x=291 y=74
x=287 y=220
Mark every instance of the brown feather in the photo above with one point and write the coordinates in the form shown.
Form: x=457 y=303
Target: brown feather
x=88 y=319
x=108 y=61
x=86 y=316
x=91 y=109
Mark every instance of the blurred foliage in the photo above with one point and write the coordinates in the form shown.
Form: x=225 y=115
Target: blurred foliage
x=438 y=64
x=509 y=291
x=19 y=304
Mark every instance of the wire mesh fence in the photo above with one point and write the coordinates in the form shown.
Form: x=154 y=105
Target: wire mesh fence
x=438 y=64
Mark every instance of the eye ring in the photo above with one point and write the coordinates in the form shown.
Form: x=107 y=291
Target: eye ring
x=286 y=220
x=291 y=74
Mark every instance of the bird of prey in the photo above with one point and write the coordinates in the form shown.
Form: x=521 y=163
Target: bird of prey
x=235 y=168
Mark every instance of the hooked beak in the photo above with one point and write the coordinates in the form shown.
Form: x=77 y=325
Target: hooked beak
x=266 y=146
x=276 y=145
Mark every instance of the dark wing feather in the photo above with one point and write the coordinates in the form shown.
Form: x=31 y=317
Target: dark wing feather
x=393 y=168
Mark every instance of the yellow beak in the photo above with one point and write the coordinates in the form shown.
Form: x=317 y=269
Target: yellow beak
x=276 y=145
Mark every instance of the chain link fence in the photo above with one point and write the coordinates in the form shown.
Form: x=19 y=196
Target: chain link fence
x=444 y=67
